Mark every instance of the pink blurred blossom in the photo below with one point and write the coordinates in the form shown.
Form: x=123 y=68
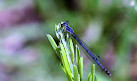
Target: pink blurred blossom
x=9 y=18
x=29 y=55
x=13 y=43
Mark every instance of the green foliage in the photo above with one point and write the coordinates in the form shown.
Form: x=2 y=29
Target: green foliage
x=76 y=77
x=92 y=75
x=66 y=54
x=72 y=50
x=79 y=61
x=54 y=45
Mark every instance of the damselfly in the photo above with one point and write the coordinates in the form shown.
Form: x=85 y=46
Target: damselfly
x=70 y=30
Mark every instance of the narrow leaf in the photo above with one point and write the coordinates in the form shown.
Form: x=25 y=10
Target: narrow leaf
x=75 y=70
x=89 y=77
x=77 y=55
x=95 y=78
x=93 y=72
x=53 y=44
x=72 y=50
x=81 y=68
x=65 y=62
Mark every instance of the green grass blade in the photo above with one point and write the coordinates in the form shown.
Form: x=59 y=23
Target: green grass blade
x=93 y=72
x=53 y=44
x=72 y=50
x=92 y=75
x=65 y=62
x=89 y=77
x=81 y=68
x=75 y=70
x=77 y=55
x=95 y=78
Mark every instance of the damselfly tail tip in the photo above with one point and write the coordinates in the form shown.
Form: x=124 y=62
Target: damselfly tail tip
x=107 y=72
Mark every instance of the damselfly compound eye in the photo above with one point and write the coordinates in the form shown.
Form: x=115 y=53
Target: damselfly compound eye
x=61 y=25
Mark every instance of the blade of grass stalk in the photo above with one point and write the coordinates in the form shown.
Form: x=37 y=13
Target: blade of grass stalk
x=93 y=72
x=53 y=44
x=77 y=55
x=89 y=77
x=75 y=70
x=81 y=68
x=95 y=78
x=72 y=50
x=65 y=62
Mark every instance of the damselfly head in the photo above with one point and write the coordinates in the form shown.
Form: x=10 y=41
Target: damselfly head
x=64 y=23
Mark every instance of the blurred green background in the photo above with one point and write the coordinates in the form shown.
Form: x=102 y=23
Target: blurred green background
x=109 y=27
